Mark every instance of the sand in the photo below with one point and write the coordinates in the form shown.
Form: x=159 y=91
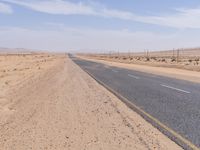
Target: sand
x=60 y=107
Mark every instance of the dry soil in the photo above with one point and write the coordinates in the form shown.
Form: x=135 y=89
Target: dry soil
x=48 y=102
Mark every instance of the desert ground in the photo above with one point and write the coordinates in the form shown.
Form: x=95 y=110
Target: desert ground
x=48 y=102
x=188 y=59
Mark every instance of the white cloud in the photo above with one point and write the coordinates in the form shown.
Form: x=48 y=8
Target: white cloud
x=6 y=9
x=60 y=37
x=55 y=6
x=182 y=18
x=66 y=38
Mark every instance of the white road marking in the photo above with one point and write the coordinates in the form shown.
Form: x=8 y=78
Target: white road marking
x=173 y=88
x=114 y=70
x=130 y=75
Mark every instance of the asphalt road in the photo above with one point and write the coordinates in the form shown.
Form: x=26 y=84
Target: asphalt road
x=175 y=103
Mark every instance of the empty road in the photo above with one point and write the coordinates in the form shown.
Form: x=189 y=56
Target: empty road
x=175 y=103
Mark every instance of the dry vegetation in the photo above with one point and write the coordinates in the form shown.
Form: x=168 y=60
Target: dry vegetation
x=183 y=59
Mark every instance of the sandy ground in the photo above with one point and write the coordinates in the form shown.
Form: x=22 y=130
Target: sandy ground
x=193 y=76
x=188 y=59
x=55 y=105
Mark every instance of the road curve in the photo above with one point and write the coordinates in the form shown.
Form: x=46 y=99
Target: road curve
x=175 y=103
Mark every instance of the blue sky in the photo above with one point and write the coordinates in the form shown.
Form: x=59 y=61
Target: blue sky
x=99 y=25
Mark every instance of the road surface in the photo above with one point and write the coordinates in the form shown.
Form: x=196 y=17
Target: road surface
x=175 y=103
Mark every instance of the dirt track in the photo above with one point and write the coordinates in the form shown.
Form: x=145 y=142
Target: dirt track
x=61 y=107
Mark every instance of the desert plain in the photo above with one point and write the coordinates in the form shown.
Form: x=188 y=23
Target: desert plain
x=48 y=102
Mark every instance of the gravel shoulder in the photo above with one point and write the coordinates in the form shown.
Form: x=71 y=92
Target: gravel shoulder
x=61 y=107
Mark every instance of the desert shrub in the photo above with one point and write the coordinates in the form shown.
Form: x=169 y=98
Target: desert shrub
x=147 y=59
x=163 y=60
x=190 y=60
x=138 y=58
x=173 y=60
x=154 y=58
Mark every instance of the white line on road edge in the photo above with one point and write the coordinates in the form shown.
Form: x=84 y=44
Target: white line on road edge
x=130 y=75
x=114 y=70
x=170 y=87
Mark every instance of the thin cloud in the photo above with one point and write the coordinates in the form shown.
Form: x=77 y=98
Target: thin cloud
x=5 y=9
x=182 y=18
x=55 y=7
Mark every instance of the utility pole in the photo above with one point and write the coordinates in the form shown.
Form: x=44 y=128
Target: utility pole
x=118 y=54
x=147 y=53
x=129 y=54
x=177 y=57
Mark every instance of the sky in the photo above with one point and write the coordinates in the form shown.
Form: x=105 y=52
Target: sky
x=99 y=25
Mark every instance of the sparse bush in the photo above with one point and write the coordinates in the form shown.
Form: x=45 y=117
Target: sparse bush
x=163 y=60
x=190 y=60
x=138 y=58
x=154 y=58
x=147 y=59
x=173 y=60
